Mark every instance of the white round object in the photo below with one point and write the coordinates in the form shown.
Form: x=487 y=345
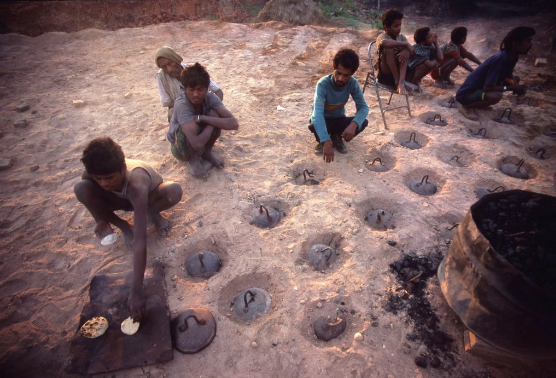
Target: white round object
x=109 y=239
x=129 y=327
x=94 y=327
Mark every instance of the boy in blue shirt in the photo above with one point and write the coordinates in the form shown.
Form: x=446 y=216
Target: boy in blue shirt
x=328 y=121
x=485 y=85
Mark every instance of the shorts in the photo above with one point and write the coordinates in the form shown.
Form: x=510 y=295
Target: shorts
x=179 y=148
x=386 y=79
x=471 y=97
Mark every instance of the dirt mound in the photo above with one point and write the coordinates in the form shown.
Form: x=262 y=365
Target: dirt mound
x=299 y=12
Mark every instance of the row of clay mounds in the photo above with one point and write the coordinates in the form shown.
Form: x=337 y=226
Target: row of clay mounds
x=380 y=160
x=307 y=174
x=424 y=182
x=248 y=298
x=456 y=156
x=411 y=139
x=323 y=253
x=208 y=251
x=330 y=322
x=517 y=168
x=485 y=132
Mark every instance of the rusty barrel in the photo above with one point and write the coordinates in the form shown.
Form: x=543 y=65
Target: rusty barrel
x=500 y=300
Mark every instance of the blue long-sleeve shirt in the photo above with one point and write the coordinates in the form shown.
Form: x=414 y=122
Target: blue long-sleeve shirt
x=330 y=101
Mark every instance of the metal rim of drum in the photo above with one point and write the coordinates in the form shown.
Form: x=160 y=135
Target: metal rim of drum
x=207 y=259
x=257 y=304
x=193 y=330
x=422 y=189
x=322 y=256
x=327 y=330
x=261 y=217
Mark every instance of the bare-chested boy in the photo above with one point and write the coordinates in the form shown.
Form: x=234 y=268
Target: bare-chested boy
x=393 y=50
x=197 y=121
x=112 y=182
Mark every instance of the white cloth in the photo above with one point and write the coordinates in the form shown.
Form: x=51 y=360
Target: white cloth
x=170 y=88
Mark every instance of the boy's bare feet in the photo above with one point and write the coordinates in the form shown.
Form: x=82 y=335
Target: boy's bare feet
x=450 y=82
x=402 y=90
x=439 y=83
x=197 y=168
x=468 y=113
x=162 y=224
x=214 y=159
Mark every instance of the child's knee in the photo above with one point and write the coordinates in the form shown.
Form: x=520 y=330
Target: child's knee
x=83 y=190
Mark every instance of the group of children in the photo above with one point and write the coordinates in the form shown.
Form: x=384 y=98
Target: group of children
x=197 y=116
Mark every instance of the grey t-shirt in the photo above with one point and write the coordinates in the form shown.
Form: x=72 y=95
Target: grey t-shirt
x=184 y=112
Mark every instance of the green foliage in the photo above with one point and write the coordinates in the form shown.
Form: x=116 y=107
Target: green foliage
x=350 y=13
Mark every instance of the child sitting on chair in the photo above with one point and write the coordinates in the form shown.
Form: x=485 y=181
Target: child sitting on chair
x=393 y=51
x=454 y=55
x=426 y=57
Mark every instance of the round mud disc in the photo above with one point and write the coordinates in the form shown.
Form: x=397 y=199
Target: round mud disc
x=448 y=104
x=262 y=220
x=481 y=192
x=504 y=120
x=327 y=329
x=411 y=144
x=537 y=154
x=425 y=189
x=258 y=304
x=192 y=335
x=203 y=264
x=379 y=219
x=438 y=122
x=377 y=167
x=321 y=256
x=514 y=171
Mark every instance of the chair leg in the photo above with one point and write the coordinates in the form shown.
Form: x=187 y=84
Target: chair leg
x=366 y=81
x=390 y=99
x=408 y=107
x=381 y=108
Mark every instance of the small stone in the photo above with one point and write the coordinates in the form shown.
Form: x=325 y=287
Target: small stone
x=5 y=164
x=295 y=288
x=78 y=103
x=212 y=240
x=319 y=304
x=361 y=170
x=21 y=123
x=358 y=336
x=392 y=243
x=540 y=62
x=421 y=361
x=374 y=324
x=302 y=301
x=33 y=168
x=141 y=52
x=22 y=107
x=127 y=95
x=254 y=344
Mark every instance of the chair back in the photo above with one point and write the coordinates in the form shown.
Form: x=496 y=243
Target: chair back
x=371 y=50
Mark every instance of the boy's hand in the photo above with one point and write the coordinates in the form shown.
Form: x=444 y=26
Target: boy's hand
x=403 y=55
x=136 y=305
x=328 y=151
x=349 y=132
x=434 y=38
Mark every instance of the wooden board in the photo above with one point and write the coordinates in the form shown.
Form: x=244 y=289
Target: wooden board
x=114 y=350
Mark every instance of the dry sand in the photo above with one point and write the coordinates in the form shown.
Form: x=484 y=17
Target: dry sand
x=49 y=253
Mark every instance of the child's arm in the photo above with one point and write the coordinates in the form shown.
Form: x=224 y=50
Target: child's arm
x=473 y=58
x=224 y=121
x=197 y=139
x=439 y=54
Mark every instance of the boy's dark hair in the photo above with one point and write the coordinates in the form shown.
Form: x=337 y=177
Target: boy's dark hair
x=516 y=35
x=194 y=75
x=103 y=156
x=347 y=58
x=421 y=34
x=458 y=35
x=390 y=16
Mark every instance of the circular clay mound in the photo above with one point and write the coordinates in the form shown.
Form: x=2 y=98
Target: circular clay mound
x=322 y=256
x=203 y=264
x=449 y=103
x=517 y=168
x=214 y=253
x=327 y=328
x=456 y=156
x=307 y=175
x=539 y=153
x=482 y=191
x=251 y=304
x=193 y=330
x=379 y=161
x=380 y=220
x=423 y=186
x=411 y=139
x=433 y=119
x=485 y=132
x=266 y=216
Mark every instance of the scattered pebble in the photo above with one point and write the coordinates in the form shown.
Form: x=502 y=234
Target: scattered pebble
x=5 y=164
x=302 y=301
x=127 y=95
x=21 y=123
x=33 y=168
x=78 y=103
x=280 y=108
x=374 y=324
x=319 y=305
x=358 y=336
x=254 y=344
x=360 y=170
x=295 y=287
x=22 y=107
x=392 y=243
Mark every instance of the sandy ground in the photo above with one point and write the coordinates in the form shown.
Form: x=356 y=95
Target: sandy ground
x=49 y=254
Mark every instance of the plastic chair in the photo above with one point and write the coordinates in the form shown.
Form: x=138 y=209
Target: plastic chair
x=372 y=79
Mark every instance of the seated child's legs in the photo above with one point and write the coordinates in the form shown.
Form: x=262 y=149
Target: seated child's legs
x=390 y=65
x=417 y=73
x=163 y=197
